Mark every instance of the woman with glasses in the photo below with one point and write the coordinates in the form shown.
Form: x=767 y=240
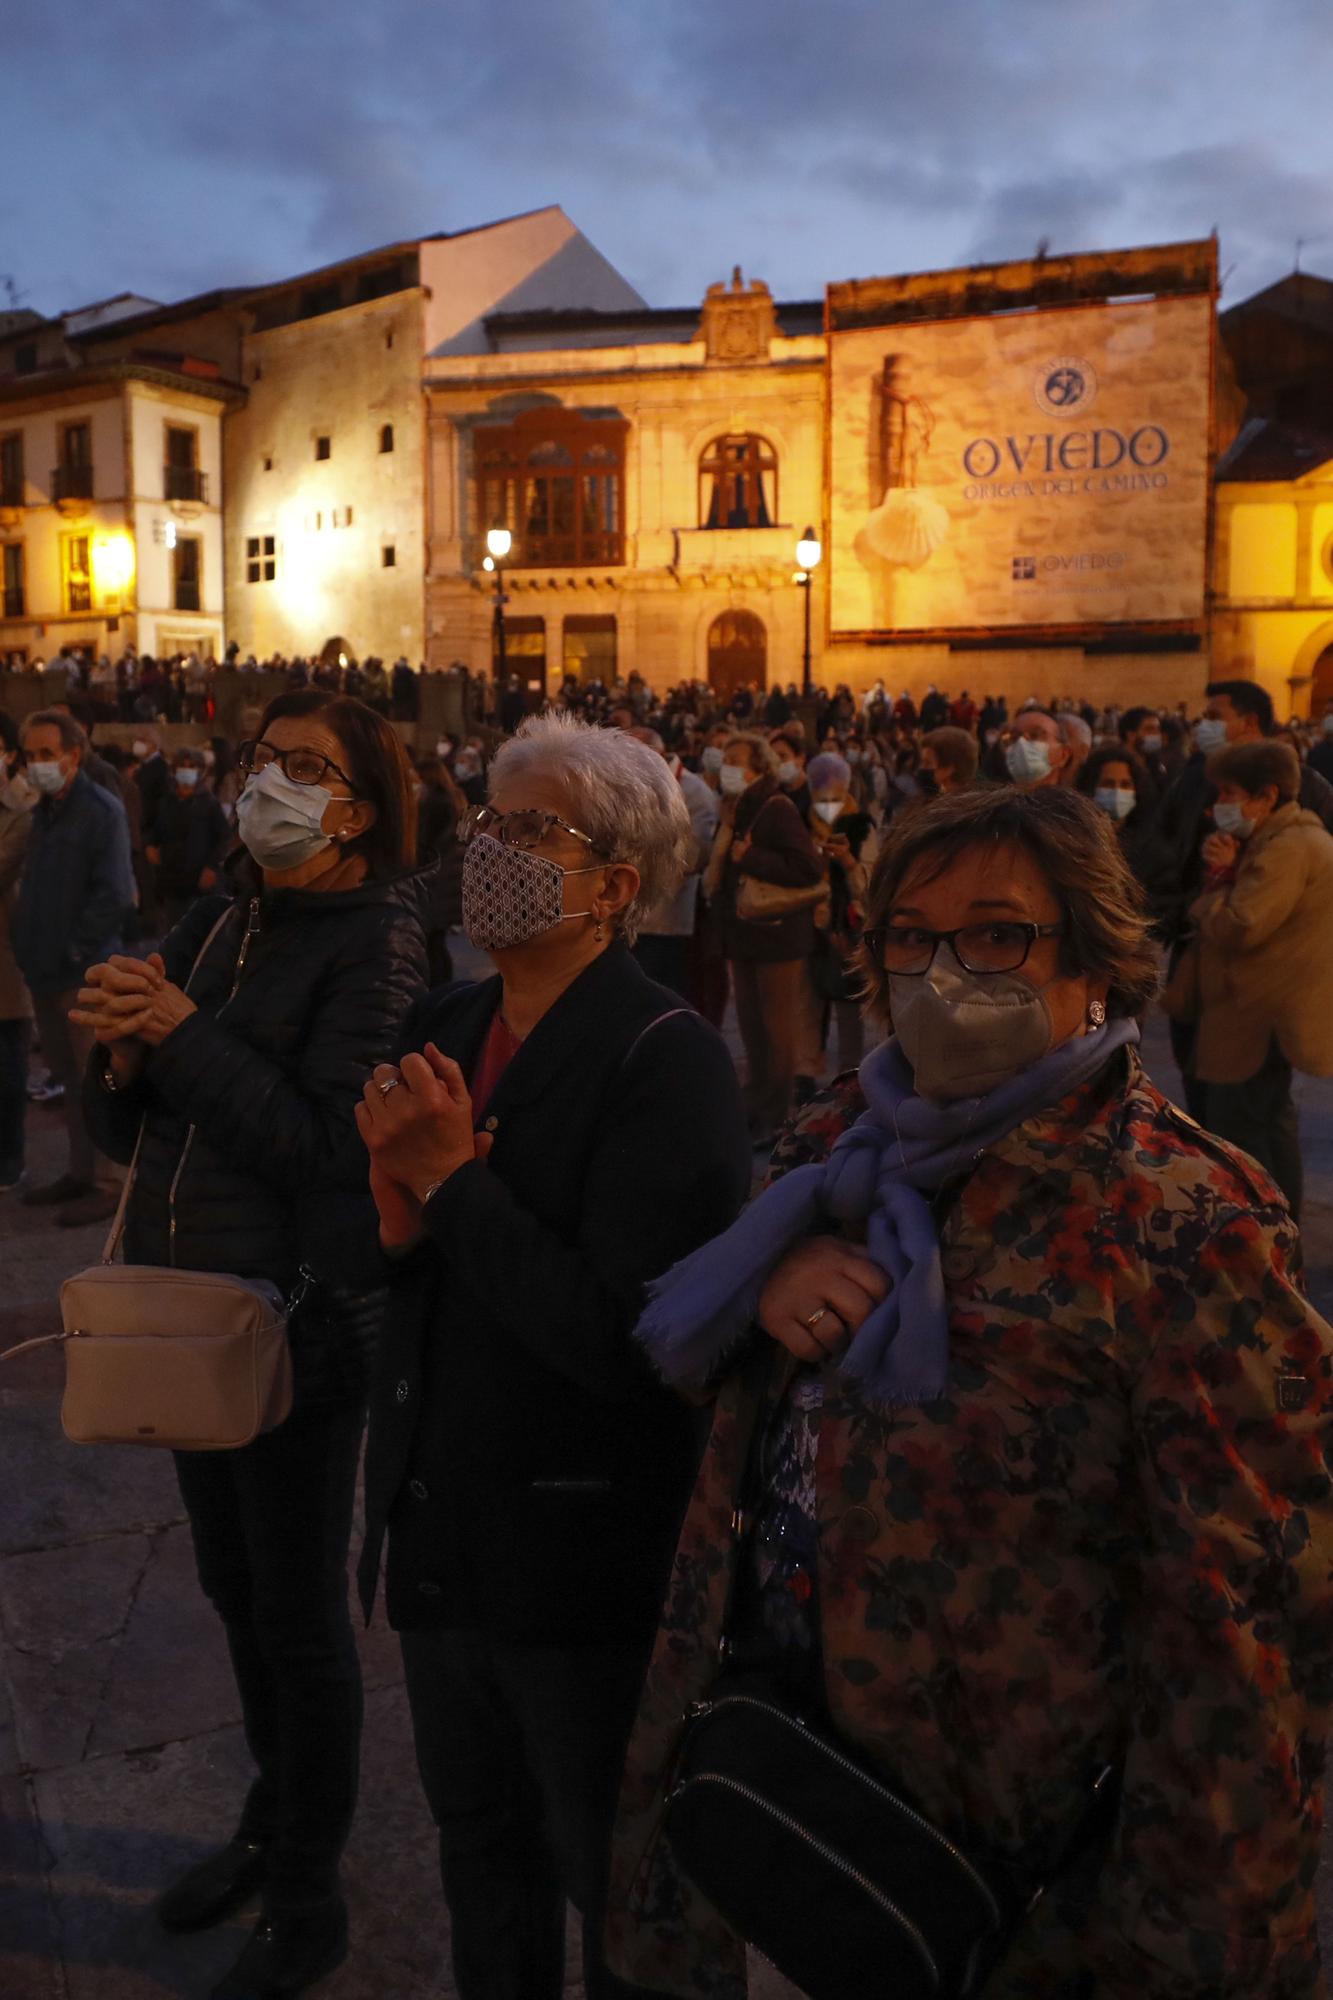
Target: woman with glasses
x=558 y=1136
x=240 y=1078
x=1045 y=1486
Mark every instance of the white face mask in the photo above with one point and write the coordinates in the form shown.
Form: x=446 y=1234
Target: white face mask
x=1230 y=818
x=280 y=822
x=1210 y=733
x=732 y=780
x=964 y=1033
x=788 y=773
x=187 y=776
x=1028 y=760
x=1151 y=744
x=511 y=895
x=829 y=810
x=711 y=757
x=48 y=775
x=1119 y=804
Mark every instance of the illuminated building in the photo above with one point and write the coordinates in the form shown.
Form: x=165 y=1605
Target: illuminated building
x=110 y=478
x=1273 y=563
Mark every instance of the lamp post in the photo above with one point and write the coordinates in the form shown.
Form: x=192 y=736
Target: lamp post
x=499 y=541
x=809 y=550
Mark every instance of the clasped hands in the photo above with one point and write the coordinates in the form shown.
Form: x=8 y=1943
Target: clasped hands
x=416 y=1122
x=129 y=1003
x=819 y=1296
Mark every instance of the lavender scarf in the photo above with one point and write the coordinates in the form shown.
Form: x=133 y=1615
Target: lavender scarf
x=881 y=1171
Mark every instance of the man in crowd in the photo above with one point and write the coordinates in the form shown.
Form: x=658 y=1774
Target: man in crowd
x=1035 y=753
x=75 y=893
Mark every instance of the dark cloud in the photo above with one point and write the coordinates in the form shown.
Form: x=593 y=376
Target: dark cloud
x=245 y=140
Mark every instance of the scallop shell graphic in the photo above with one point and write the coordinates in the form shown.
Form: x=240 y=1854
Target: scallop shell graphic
x=905 y=529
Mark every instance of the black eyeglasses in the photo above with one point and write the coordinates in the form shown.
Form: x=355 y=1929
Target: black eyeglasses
x=303 y=767
x=909 y=950
x=518 y=829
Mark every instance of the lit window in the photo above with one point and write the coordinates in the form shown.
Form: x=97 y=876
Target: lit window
x=556 y=479
x=77 y=573
x=261 y=561
x=738 y=483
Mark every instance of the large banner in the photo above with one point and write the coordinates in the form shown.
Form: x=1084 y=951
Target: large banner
x=1038 y=469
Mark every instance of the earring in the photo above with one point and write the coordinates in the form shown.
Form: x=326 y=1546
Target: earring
x=1097 y=1014
x=599 y=934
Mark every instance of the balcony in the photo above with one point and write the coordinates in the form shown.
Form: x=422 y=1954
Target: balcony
x=11 y=492
x=13 y=603
x=184 y=482
x=722 y=552
x=72 y=482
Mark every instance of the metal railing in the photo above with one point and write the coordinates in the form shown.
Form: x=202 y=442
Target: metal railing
x=184 y=482
x=72 y=482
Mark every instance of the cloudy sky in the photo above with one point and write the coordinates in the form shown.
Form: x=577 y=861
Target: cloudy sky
x=167 y=150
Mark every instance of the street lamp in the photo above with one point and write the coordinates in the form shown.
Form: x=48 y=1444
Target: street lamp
x=499 y=541
x=809 y=550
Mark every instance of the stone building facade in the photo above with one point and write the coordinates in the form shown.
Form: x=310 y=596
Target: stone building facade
x=656 y=470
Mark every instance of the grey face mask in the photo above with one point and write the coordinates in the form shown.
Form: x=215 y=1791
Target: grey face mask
x=963 y=1033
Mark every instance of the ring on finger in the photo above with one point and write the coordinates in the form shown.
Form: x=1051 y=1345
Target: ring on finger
x=810 y=1324
x=392 y=1084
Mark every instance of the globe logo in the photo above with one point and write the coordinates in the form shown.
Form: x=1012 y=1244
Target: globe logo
x=1065 y=387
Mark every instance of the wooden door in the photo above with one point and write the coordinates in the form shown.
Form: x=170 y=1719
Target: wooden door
x=737 y=653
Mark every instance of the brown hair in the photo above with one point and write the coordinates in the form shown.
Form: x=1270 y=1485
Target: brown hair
x=1256 y=766
x=762 y=756
x=377 y=766
x=956 y=749
x=1105 y=927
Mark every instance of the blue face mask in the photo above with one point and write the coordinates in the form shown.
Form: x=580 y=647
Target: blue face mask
x=1119 y=804
x=1028 y=760
x=282 y=823
x=1210 y=733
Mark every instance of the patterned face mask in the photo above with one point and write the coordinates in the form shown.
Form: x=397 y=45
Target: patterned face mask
x=511 y=894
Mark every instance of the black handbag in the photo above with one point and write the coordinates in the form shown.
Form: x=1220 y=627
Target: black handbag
x=827 y=1870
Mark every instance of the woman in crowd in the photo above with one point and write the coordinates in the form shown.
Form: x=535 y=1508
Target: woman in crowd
x=844 y=839
x=186 y=837
x=1264 y=924
x=1054 y=1495
x=563 y=1133
x=242 y=1068
x=762 y=836
x=1120 y=785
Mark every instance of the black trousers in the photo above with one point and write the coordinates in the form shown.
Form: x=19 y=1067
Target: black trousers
x=520 y=1750
x=1259 y=1116
x=271 y=1526
x=14 y=1039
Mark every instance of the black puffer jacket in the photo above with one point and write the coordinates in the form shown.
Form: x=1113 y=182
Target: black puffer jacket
x=251 y=1161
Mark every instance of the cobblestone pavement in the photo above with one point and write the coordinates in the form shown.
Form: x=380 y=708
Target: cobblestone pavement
x=121 y=1759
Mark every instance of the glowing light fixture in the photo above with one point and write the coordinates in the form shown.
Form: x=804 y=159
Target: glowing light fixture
x=499 y=541
x=809 y=550
x=113 y=564
x=169 y=534
x=488 y=564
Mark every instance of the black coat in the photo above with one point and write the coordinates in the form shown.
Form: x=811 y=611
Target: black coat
x=248 y=1106
x=528 y=1467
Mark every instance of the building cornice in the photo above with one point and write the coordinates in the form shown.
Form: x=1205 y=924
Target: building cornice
x=73 y=384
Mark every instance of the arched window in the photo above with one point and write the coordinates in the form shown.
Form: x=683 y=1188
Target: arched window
x=738 y=483
x=556 y=479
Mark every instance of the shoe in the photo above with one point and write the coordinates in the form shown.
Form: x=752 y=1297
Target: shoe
x=289 y=1950
x=68 y=1188
x=99 y=1206
x=211 y=1890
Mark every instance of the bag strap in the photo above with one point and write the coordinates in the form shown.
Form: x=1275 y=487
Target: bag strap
x=117 y=1229
x=647 y=1030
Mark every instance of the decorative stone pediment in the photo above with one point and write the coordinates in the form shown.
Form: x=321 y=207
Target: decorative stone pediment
x=739 y=320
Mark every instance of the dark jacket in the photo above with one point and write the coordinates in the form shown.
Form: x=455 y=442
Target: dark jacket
x=528 y=1466
x=1182 y=823
x=192 y=833
x=250 y=1144
x=782 y=851
x=76 y=889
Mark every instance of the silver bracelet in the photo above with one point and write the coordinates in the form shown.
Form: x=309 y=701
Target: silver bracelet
x=432 y=1190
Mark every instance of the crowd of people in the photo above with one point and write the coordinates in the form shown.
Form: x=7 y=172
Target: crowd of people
x=1009 y=1355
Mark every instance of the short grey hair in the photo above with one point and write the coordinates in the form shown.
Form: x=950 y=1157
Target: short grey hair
x=73 y=735
x=828 y=768
x=763 y=757
x=621 y=794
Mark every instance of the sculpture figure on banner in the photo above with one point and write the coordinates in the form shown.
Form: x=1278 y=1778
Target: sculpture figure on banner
x=909 y=524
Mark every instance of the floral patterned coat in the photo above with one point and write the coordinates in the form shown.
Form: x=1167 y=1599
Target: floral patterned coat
x=1112 y=1541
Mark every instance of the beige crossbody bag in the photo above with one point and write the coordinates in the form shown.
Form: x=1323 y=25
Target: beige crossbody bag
x=194 y=1360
